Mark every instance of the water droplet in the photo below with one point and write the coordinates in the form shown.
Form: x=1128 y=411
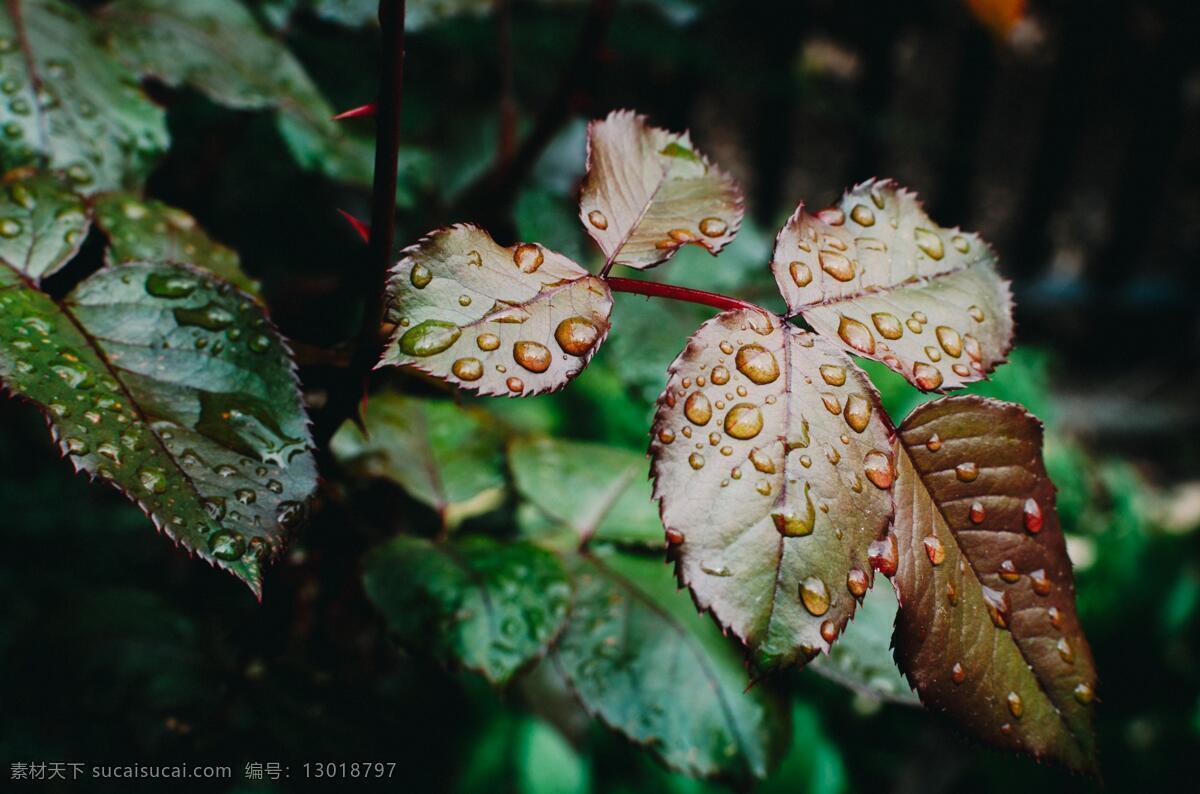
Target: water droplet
x=666 y=435
x=1009 y=572
x=576 y=335
x=966 y=472
x=958 y=673
x=714 y=570
x=757 y=363
x=762 y=461
x=528 y=257
x=833 y=374
x=888 y=325
x=212 y=316
x=831 y=403
x=1031 y=514
x=420 y=276
x=289 y=514
x=932 y=353
x=815 y=596
x=926 y=376
x=935 y=550
x=467 y=369
x=170 y=285
x=153 y=479
x=713 y=227
x=1040 y=582
x=487 y=342
x=726 y=348
x=429 y=337
x=1015 y=706
x=976 y=513
x=674 y=537
x=877 y=466
x=831 y=215
x=226 y=545
x=837 y=265
x=794 y=525
x=934 y=443
x=971 y=345
x=862 y=215
x=883 y=554
x=1065 y=651
x=696 y=461
x=857 y=582
x=1083 y=693
x=801 y=273
x=763 y=487
x=77 y=446
x=858 y=412
x=744 y=421
x=597 y=219
x=215 y=507
x=857 y=335
x=976 y=313
x=697 y=409
x=1055 y=617
x=275 y=486
x=515 y=385
x=997 y=606
x=929 y=242
x=950 y=341
x=960 y=243
x=533 y=356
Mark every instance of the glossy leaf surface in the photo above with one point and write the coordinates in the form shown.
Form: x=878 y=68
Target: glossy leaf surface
x=648 y=191
x=474 y=603
x=71 y=106
x=516 y=321
x=881 y=278
x=448 y=457
x=42 y=224
x=648 y=666
x=772 y=466
x=599 y=491
x=987 y=630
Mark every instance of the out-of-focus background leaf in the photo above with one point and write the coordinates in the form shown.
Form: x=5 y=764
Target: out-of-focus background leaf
x=1065 y=136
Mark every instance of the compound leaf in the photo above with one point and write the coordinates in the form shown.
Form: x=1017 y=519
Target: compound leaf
x=987 y=630
x=516 y=321
x=601 y=492
x=772 y=465
x=642 y=661
x=470 y=602
x=447 y=457
x=68 y=103
x=876 y=274
x=147 y=230
x=648 y=191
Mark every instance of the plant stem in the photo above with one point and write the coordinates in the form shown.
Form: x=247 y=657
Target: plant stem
x=369 y=282
x=655 y=289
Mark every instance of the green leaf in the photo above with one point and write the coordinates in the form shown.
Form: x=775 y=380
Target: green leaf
x=169 y=384
x=648 y=191
x=876 y=274
x=772 y=465
x=148 y=230
x=862 y=659
x=987 y=631
x=42 y=224
x=68 y=103
x=527 y=753
x=447 y=457
x=648 y=666
x=470 y=602
x=601 y=492
x=511 y=321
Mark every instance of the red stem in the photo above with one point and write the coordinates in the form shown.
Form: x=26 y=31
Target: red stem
x=656 y=290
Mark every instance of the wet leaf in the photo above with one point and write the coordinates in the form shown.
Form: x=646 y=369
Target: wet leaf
x=648 y=666
x=987 y=631
x=877 y=275
x=648 y=191
x=447 y=457
x=861 y=660
x=772 y=467
x=473 y=602
x=172 y=386
x=517 y=321
x=149 y=230
x=42 y=223
x=601 y=492
x=68 y=103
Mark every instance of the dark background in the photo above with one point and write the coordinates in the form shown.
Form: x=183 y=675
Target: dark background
x=1069 y=141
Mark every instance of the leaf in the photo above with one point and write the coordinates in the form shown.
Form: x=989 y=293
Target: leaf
x=148 y=230
x=447 y=457
x=169 y=384
x=518 y=321
x=648 y=191
x=470 y=602
x=986 y=592
x=601 y=492
x=68 y=103
x=876 y=274
x=645 y=664
x=770 y=495
x=42 y=224
x=862 y=659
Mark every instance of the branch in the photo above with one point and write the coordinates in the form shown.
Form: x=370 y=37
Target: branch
x=655 y=289
x=369 y=281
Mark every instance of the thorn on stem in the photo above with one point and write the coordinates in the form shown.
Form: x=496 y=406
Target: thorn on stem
x=364 y=231
x=358 y=112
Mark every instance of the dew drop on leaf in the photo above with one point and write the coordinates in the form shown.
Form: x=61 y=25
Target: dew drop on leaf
x=976 y=513
x=467 y=369
x=713 y=227
x=533 y=356
x=856 y=335
x=744 y=421
x=487 y=342
x=420 y=276
x=877 y=466
x=935 y=550
x=966 y=472
x=815 y=596
x=697 y=408
x=576 y=335
x=1031 y=514
x=528 y=257
x=757 y=363
x=858 y=412
x=950 y=341
x=429 y=337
